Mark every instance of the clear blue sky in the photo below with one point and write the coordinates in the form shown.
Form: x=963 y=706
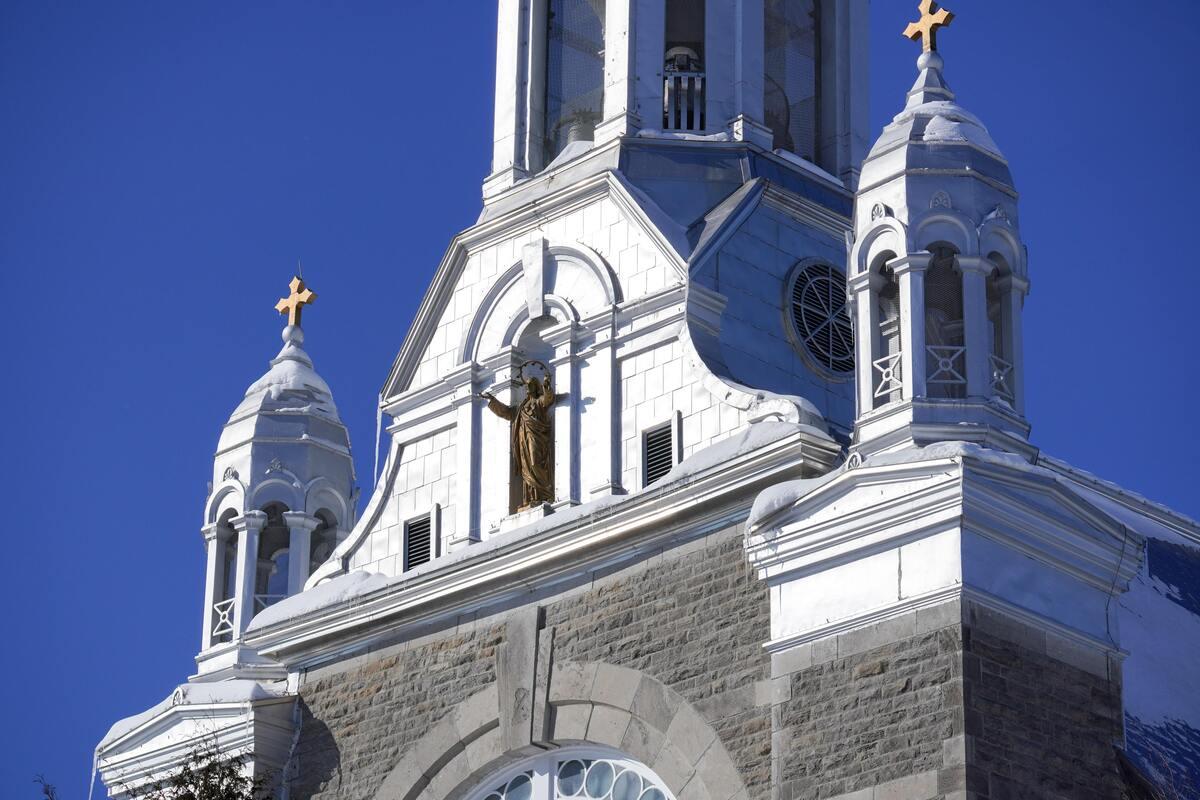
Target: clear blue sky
x=162 y=165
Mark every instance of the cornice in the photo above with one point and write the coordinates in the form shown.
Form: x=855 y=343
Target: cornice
x=616 y=532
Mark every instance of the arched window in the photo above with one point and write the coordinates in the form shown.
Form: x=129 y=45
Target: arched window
x=574 y=73
x=323 y=541
x=683 y=66
x=790 y=61
x=576 y=774
x=1001 y=356
x=945 y=355
x=888 y=345
x=273 y=542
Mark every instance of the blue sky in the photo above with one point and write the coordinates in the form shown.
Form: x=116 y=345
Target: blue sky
x=163 y=165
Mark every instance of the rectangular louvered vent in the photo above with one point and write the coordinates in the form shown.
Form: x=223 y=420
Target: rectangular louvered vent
x=658 y=453
x=418 y=542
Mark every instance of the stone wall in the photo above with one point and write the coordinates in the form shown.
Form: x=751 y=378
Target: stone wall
x=694 y=618
x=1042 y=715
x=879 y=706
x=359 y=718
x=946 y=702
x=695 y=622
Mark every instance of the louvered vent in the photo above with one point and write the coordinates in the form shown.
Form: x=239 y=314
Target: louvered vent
x=821 y=314
x=417 y=543
x=659 y=453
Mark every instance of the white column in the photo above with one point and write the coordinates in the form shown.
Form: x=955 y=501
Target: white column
x=510 y=112
x=647 y=52
x=843 y=139
x=248 y=527
x=1014 y=290
x=566 y=425
x=749 y=59
x=600 y=444
x=975 y=271
x=467 y=448
x=300 y=528
x=866 y=337
x=910 y=271
x=619 y=118
x=215 y=541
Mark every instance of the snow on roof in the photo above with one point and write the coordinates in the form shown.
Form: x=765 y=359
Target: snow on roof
x=230 y=692
x=346 y=588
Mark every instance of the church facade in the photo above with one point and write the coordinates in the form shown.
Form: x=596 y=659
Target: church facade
x=708 y=474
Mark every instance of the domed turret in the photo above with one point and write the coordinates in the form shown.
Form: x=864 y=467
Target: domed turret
x=283 y=493
x=938 y=275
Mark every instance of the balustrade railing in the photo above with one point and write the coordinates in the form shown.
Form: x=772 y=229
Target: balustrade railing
x=888 y=379
x=1002 y=372
x=223 y=617
x=262 y=601
x=945 y=365
x=683 y=101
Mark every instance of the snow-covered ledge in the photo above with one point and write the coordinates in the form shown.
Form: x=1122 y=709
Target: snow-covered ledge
x=242 y=718
x=920 y=527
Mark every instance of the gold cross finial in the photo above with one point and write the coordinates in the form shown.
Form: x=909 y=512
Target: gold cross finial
x=292 y=304
x=926 y=28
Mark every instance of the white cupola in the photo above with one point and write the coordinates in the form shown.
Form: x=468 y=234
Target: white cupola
x=283 y=495
x=937 y=279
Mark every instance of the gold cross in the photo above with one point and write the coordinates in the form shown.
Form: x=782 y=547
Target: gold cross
x=926 y=29
x=291 y=305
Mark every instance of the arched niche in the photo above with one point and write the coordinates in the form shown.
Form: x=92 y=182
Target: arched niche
x=572 y=283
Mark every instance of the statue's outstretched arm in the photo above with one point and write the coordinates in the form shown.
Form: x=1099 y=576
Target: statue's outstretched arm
x=499 y=409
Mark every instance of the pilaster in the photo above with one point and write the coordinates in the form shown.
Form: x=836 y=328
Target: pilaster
x=467 y=409
x=248 y=528
x=216 y=539
x=975 y=271
x=300 y=527
x=620 y=70
x=910 y=272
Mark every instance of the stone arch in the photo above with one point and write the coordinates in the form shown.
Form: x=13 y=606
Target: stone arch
x=229 y=495
x=276 y=490
x=998 y=236
x=588 y=703
x=321 y=493
x=886 y=234
x=945 y=225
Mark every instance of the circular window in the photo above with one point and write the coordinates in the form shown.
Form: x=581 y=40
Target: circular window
x=820 y=313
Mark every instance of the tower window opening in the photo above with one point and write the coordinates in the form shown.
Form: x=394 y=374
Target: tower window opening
x=684 y=81
x=791 y=61
x=226 y=593
x=1001 y=357
x=323 y=541
x=574 y=73
x=418 y=542
x=945 y=355
x=886 y=373
x=271 y=579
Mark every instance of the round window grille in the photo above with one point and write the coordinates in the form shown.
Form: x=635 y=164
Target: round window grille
x=821 y=313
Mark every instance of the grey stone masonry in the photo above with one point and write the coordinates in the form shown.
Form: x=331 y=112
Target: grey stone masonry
x=696 y=622
x=359 y=718
x=959 y=702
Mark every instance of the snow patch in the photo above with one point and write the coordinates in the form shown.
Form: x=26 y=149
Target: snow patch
x=231 y=692
x=655 y=133
x=337 y=590
x=807 y=166
x=770 y=502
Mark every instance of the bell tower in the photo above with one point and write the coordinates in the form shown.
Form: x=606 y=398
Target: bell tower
x=575 y=75
x=282 y=498
x=937 y=275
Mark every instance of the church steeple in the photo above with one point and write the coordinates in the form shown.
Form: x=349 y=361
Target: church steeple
x=283 y=495
x=937 y=275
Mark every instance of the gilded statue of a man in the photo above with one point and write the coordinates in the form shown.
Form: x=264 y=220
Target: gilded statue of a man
x=532 y=439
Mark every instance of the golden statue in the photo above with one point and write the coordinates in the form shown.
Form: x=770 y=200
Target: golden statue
x=532 y=437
